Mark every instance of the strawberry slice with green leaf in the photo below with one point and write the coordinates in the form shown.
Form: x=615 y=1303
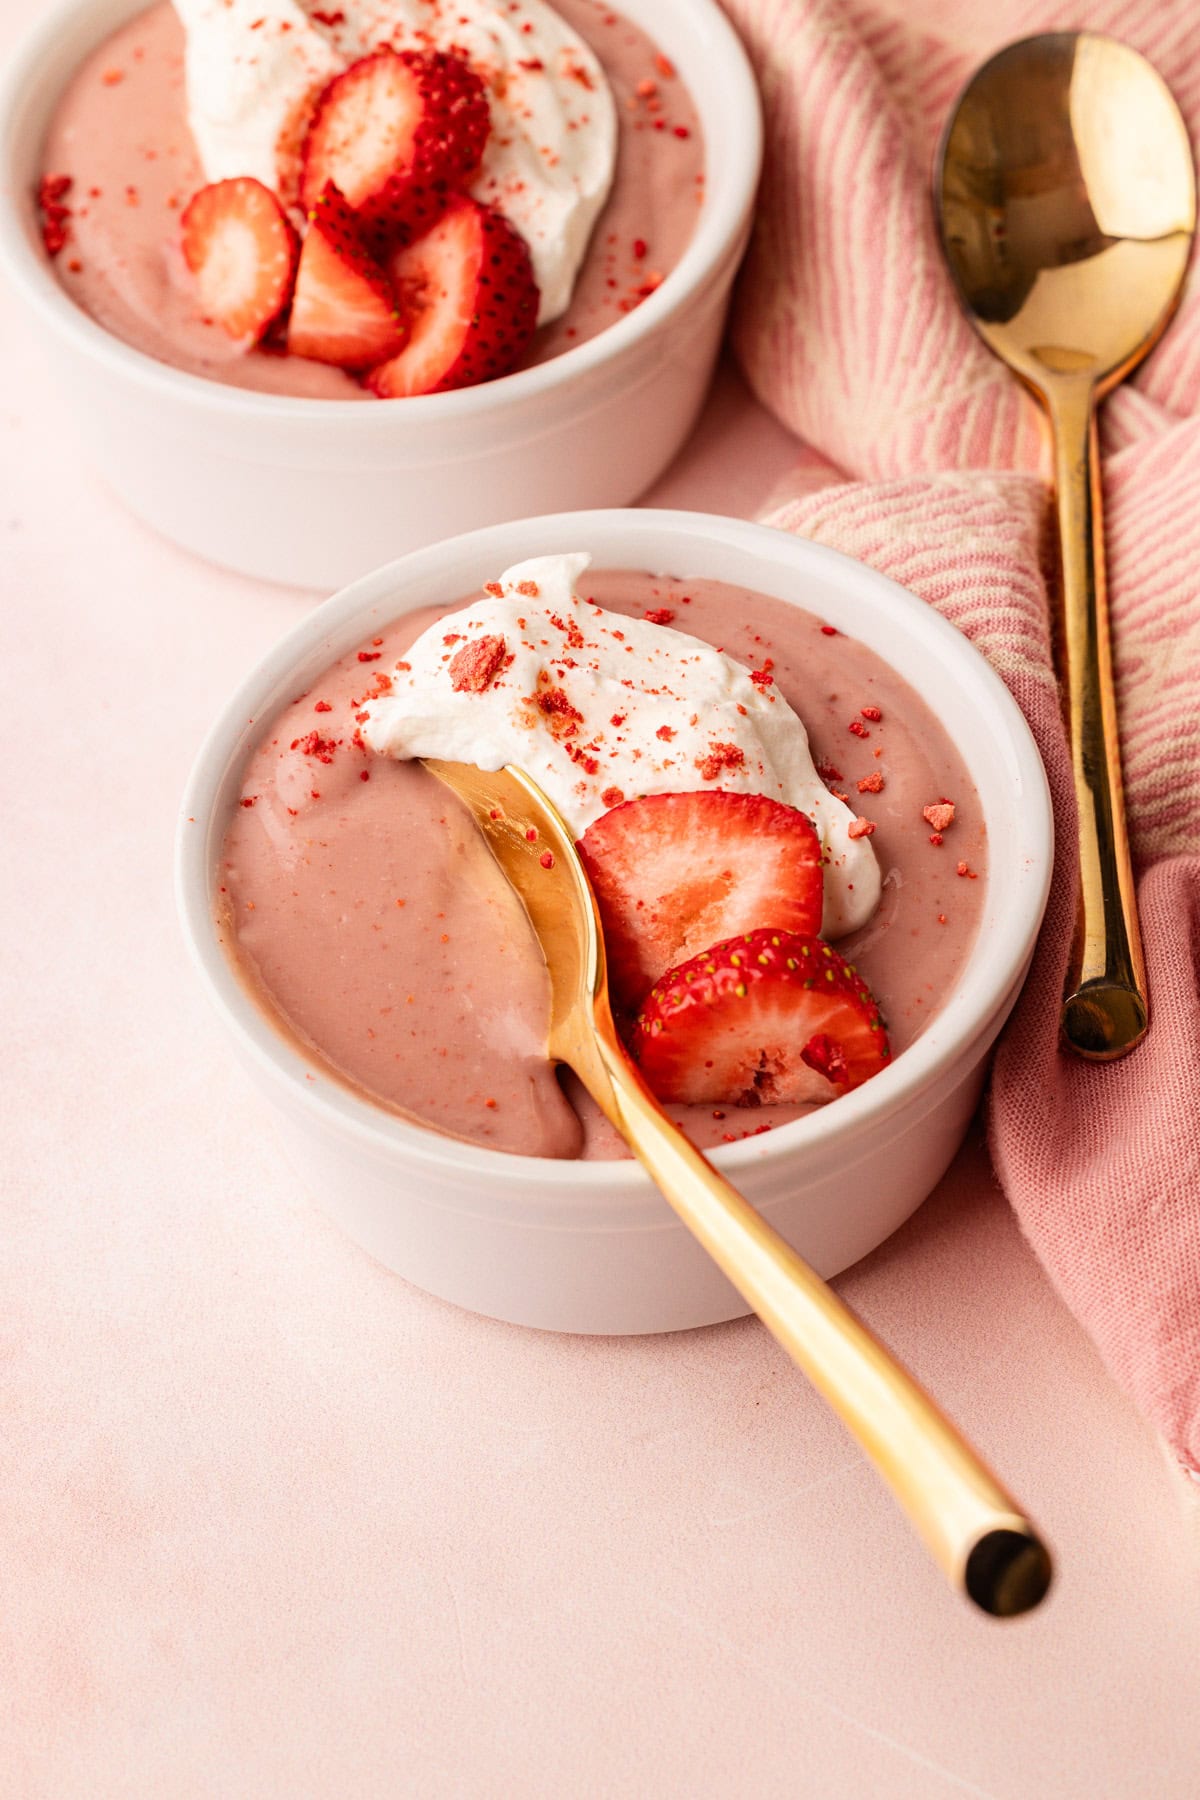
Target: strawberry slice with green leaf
x=467 y=290
x=393 y=131
x=766 y=1018
x=240 y=248
x=673 y=873
x=344 y=309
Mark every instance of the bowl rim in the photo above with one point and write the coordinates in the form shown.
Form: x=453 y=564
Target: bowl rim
x=719 y=236
x=980 y=996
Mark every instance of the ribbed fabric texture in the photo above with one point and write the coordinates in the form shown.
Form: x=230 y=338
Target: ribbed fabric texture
x=922 y=456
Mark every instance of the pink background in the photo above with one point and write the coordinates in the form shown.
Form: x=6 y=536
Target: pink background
x=274 y=1523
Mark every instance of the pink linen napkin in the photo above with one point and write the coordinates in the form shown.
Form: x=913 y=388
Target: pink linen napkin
x=922 y=456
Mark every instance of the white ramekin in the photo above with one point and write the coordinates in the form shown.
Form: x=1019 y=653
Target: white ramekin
x=315 y=492
x=592 y=1246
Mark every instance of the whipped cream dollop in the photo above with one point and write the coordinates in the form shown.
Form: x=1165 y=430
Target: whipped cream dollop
x=598 y=708
x=254 y=68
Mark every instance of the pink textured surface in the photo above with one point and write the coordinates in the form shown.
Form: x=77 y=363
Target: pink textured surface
x=932 y=453
x=273 y=1523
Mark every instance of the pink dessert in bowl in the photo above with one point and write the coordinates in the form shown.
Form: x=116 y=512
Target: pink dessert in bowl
x=382 y=977
x=406 y=131
x=285 y=464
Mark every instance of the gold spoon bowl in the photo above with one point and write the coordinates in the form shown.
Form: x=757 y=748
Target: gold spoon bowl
x=1066 y=202
x=974 y=1529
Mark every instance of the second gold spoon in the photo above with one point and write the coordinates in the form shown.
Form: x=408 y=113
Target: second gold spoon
x=1066 y=199
x=974 y=1529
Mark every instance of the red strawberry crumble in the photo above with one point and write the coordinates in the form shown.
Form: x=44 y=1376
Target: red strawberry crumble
x=720 y=757
x=860 y=828
x=475 y=666
x=941 y=816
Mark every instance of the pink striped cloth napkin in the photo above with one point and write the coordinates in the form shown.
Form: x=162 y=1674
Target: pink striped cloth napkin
x=924 y=458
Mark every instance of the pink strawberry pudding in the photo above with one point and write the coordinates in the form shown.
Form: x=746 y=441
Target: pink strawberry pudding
x=788 y=856
x=386 y=197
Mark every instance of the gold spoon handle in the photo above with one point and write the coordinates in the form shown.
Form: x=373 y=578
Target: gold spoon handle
x=1104 y=1011
x=973 y=1528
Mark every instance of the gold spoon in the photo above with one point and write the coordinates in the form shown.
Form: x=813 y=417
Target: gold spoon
x=1066 y=201
x=975 y=1530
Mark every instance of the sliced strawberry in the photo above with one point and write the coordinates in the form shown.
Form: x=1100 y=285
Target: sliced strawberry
x=238 y=244
x=675 y=872
x=344 y=310
x=769 y=1017
x=392 y=126
x=468 y=292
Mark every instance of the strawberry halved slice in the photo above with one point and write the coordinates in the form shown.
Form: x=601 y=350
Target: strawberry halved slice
x=673 y=873
x=391 y=127
x=468 y=293
x=238 y=244
x=766 y=1018
x=344 y=309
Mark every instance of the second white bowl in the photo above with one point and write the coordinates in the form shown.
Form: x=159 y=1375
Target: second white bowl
x=315 y=492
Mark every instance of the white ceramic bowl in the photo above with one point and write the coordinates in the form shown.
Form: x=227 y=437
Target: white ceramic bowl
x=593 y=1246
x=316 y=492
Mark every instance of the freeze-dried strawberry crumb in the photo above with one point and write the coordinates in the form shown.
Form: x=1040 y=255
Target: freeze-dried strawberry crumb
x=829 y=774
x=368 y=656
x=547 y=859
x=763 y=677
x=858 y=729
x=313 y=744
x=55 y=233
x=666 y=733
x=250 y=800
x=860 y=827
x=493 y=588
x=530 y=589
x=872 y=783
x=322 y=706
x=612 y=796
x=51 y=188
x=720 y=756
x=474 y=667
x=871 y=712
x=617 y=719
x=659 y=615
x=965 y=869
x=403 y=667
x=935 y=837
x=941 y=816
x=555 y=707
x=829 y=631
x=583 y=758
